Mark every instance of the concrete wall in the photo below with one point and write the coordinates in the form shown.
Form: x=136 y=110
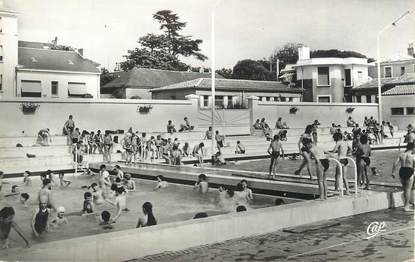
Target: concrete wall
x=46 y=78
x=398 y=101
x=326 y=113
x=92 y=114
x=136 y=243
x=396 y=68
x=143 y=93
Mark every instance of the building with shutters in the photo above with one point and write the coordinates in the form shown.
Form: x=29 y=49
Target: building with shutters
x=33 y=69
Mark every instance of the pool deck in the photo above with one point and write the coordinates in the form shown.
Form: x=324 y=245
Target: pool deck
x=342 y=239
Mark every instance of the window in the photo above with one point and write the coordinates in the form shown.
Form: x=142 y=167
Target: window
x=31 y=88
x=347 y=77
x=324 y=99
x=402 y=70
x=368 y=99
x=388 y=71
x=410 y=110
x=173 y=97
x=1 y=53
x=290 y=99
x=205 y=101
x=230 y=101
x=323 y=76
x=359 y=99
x=282 y=99
x=1 y=83
x=76 y=89
x=219 y=101
x=54 y=87
x=397 y=111
x=267 y=98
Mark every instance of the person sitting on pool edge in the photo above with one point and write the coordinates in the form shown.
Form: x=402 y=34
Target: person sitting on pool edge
x=202 y=185
x=147 y=219
x=6 y=224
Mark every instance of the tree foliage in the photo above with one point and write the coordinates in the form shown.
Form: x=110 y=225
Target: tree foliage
x=163 y=51
x=251 y=70
x=335 y=53
x=225 y=72
x=105 y=76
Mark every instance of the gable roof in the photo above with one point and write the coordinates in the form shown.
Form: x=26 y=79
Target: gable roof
x=401 y=90
x=55 y=60
x=407 y=78
x=231 y=85
x=145 y=78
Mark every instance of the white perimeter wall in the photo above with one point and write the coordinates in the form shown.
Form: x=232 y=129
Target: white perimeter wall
x=402 y=121
x=113 y=114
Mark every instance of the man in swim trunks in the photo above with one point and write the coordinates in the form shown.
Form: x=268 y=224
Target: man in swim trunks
x=322 y=165
x=274 y=150
x=341 y=149
x=406 y=173
x=410 y=136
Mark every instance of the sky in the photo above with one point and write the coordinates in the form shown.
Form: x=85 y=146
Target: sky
x=244 y=29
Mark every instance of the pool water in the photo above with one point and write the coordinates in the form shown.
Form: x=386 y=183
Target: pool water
x=174 y=203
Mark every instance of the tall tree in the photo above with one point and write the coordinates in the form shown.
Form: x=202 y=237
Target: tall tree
x=251 y=70
x=163 y=51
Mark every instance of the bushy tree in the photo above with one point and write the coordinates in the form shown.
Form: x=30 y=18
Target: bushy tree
x=251 y=70
x=105 y=76
x=335 y=53
x=163 y=51
x=225 y=72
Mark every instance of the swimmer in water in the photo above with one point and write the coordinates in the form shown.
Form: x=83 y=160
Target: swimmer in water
x=40 y=218
x=202 y=185
x=161 y=183
x=60 y=218
x=129 y=183
x=6 y=224
x=97 y=195
x=147 y=219
x=120 y=202
x=406 y=173
x=63 y=182
x=46 y=193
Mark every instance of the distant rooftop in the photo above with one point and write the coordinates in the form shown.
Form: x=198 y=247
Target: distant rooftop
x=231 y=85
x=31 y=44
x=401 y=90
x=53 y=60
x=403 y=79
x=145 y=78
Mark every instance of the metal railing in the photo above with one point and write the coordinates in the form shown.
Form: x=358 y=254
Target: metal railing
x=355 y=176
x=341 y=174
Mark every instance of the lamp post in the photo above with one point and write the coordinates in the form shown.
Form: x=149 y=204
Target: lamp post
x=213 y=69
x=378 y=62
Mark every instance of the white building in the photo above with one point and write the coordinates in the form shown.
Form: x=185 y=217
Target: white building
x=329 y=79
x=32 y=69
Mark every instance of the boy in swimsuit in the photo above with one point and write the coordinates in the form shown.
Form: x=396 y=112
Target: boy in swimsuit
x=322 y=165
x=40 y=218
x=105 y=223
x=274 y=150
x=97 y=195
x=27 y=181
x=363 y=152
x=88 y=206
x=23 y=199
x=406 y=173
x=46 y=193
x=341 y=148
x=120 y=202
x=240 y=149
x=202 y=185
x=161 y=183
x=198 y=152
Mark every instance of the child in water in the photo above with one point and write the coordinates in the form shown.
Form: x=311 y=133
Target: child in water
x=129 y=183
x=23 y=199
x=202 y=185
x=6 y=224
x=88 y=207
x=161 y=183
x=97 y=195
x=60 y=218
x=27 y=180
x=105 y=223
x=63 y=182
x=40 y=218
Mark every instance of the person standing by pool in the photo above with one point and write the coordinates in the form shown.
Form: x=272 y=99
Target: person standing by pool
x=410 y=136
x=406 y=173
x=274 y=150
x=314 y=133
x=341 y=149
x=147 y=219
x=6 y=224
x=68 y=128
x=322 y=165
x=363 y=152
x=107 y=147
x=198 y=152
x=304 y=151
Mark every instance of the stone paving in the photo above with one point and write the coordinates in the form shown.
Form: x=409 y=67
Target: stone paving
x=346 y=241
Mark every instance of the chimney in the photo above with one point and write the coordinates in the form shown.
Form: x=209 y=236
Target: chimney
x=304 y=53
x=81 y=51
x=411 y=49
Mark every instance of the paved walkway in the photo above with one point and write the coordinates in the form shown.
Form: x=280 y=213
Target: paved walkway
x=346 y=241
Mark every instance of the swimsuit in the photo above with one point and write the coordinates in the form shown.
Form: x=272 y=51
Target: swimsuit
x=275 y=154
x=344 y=161
x=366 y=159
x=406 y=172
x=41 y=221
x=325 y=163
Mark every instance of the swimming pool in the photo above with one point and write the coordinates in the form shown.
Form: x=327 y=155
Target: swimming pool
x=175 y=203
